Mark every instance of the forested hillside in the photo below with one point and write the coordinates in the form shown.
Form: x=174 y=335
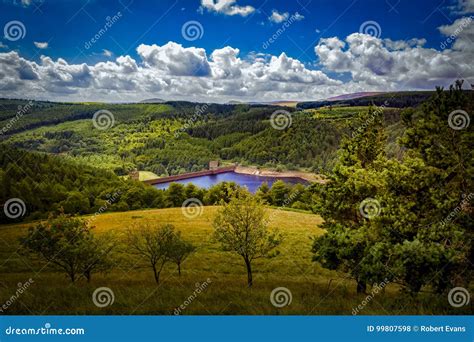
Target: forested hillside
x=178 y=137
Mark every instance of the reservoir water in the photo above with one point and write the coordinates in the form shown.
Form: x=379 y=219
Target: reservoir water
x=252 y=182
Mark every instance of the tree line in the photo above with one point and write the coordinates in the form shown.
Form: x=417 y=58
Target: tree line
x=69 y=245
x=51 y=184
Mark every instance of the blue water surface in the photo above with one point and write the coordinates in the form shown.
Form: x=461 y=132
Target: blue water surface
x=252 y=182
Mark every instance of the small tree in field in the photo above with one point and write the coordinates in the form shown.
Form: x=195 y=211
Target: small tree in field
x=153 y=244
x=96 y=256
x=240 y=226
x=180 y=250
x=68 y=243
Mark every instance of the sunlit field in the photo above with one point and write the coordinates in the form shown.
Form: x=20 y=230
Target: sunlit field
x=313 y=289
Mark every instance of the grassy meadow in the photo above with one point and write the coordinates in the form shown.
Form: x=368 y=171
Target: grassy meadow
x=314 y=290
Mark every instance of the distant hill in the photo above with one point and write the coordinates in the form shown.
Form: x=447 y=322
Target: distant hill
x=281 y=103
x=153 y=100
x=353 y=96
x=394 y=99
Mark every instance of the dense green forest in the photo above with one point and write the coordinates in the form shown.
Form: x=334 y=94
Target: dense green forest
x=178 y=137
x=53 y=155
x=49 y=184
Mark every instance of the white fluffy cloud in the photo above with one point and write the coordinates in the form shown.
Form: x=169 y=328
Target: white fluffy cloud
x=227 y=7
x=278 y=17
x=175 y=60
x=460 y=34
x=466 y=6
x=171 y=71
x=387 y=64
x=41 y=45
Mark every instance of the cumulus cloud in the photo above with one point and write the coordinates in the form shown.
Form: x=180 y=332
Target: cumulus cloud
x=460 y=34
x=278 y=17
x=227 y=7
x=175 y=60
x=466 y=6
x=387 y=64
x=171 y=71
x=41 y=45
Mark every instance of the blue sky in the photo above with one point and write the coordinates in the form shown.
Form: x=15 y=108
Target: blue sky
x=64 y=29
x=67 y=27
